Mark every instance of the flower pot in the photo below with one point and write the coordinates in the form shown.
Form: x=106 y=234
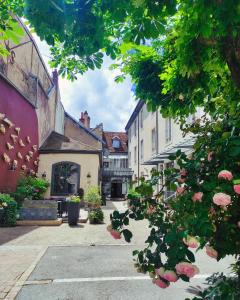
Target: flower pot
x=73 y=212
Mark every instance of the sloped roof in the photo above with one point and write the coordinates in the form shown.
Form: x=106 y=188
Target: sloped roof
x=89 y=131
x=108 y=137
x=59 y=143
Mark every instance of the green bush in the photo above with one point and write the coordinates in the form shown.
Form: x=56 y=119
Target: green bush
x=8 y=206
x=132 y=194
x=75 y=199
x=32 y=188
x=92 y=196
x=96 y=216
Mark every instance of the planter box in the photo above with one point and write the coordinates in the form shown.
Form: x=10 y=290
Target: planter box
x=38 y=210
x=73 y=212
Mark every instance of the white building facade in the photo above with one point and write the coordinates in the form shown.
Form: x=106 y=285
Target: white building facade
x=151 y=139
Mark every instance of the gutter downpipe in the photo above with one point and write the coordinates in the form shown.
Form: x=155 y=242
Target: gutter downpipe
x=138 y=142
x=157 y=141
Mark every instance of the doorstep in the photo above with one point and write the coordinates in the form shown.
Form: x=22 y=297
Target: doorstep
x=56 y=222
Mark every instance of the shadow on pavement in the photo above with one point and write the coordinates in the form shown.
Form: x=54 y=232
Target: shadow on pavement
x=8 y=234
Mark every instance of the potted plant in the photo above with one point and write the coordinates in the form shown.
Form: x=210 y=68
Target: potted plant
x=92 y=197
x=96 y=216
x=73 y=206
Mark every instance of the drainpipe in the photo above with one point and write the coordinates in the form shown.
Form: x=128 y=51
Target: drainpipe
x=138 y=143
x=157 y=141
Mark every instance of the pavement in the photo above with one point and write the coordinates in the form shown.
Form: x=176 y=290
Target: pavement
x=83 y=262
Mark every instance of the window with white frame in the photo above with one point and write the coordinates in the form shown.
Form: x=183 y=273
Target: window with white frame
x=168 y=130
x=135 y=128
x=135 y=154
x=141 y=150
x=116 y=142
x=129 y=134
x=153 y=140
x=141 y=118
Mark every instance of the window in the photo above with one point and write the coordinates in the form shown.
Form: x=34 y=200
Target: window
x=65 y=178
x=154 y=140
x=129 y=159
x=129 y=134
x=135 y=154
x=141 y=118
x=116 y=142
x=168 y=130
x=135 y=127
x=141 y=150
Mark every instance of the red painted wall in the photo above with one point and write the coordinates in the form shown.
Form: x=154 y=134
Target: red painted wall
x=24 y=116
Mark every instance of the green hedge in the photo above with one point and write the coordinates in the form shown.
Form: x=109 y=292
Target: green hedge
x=8 y=212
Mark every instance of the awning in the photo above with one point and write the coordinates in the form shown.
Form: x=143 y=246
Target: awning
x=186 y=145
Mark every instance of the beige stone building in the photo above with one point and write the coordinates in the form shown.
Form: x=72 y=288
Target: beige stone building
x=64 y=150
x=151 y=138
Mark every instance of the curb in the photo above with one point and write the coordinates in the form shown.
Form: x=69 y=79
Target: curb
x=20 y=282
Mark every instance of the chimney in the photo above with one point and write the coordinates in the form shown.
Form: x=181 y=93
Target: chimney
x=55 y=77
x=85 y=119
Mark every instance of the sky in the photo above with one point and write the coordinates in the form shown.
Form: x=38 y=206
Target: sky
x=96 y=91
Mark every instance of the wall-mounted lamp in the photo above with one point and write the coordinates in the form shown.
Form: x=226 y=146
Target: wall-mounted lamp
x=44 y=175
x=88 y=178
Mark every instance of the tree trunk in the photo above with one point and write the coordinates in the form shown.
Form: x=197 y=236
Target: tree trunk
x=231 y=52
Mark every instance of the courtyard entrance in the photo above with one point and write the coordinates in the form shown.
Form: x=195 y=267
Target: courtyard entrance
x=116 y=189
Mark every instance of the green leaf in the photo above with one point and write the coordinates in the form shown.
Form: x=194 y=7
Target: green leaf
x=184 y=278
x=127 y=235
x=190 y=256
x=135 y=252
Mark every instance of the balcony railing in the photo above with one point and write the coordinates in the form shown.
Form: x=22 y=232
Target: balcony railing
x=117 y=172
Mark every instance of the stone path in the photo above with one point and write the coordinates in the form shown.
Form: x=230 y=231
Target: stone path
x=81 y=262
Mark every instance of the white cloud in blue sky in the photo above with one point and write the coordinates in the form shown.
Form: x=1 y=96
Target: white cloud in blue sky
x=96 y=91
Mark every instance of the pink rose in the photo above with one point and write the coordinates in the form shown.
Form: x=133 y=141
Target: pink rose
x=212 y=211
x=160 y=271
x=209 y=157
x=180 y=190
x=211 y=252
x=170 y=276
x=187 y=269
x=191 y=242
x=181 y=180
x=225 y=175
x=183 y=172
x=197 y=197
x=236 y=188
x=161 y=283
x=221 y=199
x=151 y=210
x=115 y=234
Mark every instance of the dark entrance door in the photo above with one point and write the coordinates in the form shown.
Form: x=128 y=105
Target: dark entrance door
x=65 y=178
x=116 y=189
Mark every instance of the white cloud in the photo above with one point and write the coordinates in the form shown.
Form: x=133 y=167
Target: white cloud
x=96 y=91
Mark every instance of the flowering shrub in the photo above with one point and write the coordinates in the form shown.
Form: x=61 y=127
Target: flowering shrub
x=32 y=188
x=204 y=214
x=9 y=207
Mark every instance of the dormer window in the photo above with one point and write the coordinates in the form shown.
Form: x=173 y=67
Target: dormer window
x=116 y=142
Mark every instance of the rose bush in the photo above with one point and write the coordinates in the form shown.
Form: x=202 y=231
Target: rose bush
x=204 y=214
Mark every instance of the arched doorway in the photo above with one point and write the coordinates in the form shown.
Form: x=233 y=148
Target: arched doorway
x=65 y=178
